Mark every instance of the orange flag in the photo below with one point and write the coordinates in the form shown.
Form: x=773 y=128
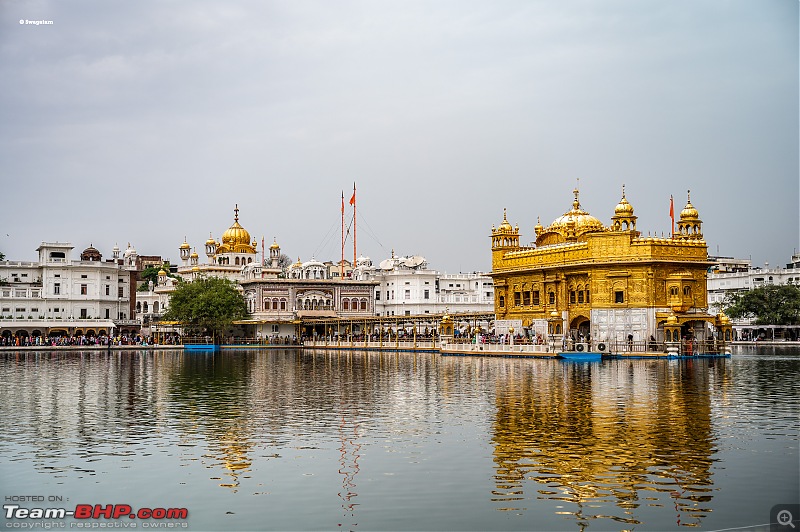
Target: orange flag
x=672 y=213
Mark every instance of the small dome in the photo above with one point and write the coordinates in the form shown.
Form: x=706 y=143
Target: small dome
x=689 y=212
x=274 y=244
x=312 y=262
x=194 y=255
x=210 y=240
x=91 y=254
x=623 y=208
x=161 y=272
x=185 y=244
x=505 y=227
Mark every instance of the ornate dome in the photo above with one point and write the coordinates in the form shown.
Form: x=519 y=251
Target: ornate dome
x=185 y=244
x=576 y=219
x=689 y=212
x=505 y=227
x=623 y=219
x=538 y=228
x=274 y=244
x=91 y=254
x=236 y=239
x=623 y=208
x=236 y=234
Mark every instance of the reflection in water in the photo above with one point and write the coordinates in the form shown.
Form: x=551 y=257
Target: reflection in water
x=625 y=433
x=348 y=462
x=322 y=440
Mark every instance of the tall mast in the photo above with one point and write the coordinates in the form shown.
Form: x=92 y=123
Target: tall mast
x=341 y=262
x=354 y=224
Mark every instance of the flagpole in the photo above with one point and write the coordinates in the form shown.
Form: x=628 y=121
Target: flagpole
x=341 y=262
x=354 y=224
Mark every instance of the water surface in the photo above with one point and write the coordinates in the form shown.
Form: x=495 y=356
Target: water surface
x=293 y=440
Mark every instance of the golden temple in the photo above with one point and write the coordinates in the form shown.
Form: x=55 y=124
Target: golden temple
x=583 y=279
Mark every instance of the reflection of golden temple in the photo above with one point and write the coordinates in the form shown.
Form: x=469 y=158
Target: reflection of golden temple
x=583 y=278
x=592 y=436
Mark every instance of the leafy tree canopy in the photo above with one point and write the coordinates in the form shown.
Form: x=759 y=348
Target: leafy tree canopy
x=768 y=305
x=151 y=274
x=209 y=304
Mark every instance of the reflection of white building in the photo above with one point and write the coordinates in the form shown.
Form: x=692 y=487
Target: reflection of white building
x=60 y=296
x=407 y=287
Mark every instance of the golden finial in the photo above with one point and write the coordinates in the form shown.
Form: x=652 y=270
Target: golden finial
x=236 y=213
x=623 y=190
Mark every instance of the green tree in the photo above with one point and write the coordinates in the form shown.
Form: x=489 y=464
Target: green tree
x=209 y=305
x=768 y=305
x=151 y=274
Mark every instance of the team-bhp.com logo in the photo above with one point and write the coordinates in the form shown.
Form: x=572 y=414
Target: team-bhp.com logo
x=95 y=511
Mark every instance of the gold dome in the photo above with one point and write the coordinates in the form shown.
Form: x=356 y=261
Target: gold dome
x=194 y=255
x=623 y=208
x=236 y=239
x=185 y=244
x=210 y=240
x=505 y=227
x=274 y=244
x=689 y=212
x=576 y=219
x=162 y=272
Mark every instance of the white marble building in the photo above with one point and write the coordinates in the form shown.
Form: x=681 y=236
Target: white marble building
x=407 y=287
x=64 y=295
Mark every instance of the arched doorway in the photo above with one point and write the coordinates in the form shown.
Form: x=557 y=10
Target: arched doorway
x=580 y=328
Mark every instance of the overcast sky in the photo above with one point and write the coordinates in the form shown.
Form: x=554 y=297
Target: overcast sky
x=147 y=121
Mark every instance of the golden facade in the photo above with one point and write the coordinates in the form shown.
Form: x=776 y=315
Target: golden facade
x=581 y=277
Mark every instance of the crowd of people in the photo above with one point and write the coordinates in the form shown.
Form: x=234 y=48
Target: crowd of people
x=76 y=340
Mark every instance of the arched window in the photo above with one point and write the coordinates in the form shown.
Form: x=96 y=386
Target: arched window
x=274 y=304
x=155 y=306
x=687 y=290
x=138 y=306
x=145 y=307
x=345 y=304
x=364 y=304
x=283 y=304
